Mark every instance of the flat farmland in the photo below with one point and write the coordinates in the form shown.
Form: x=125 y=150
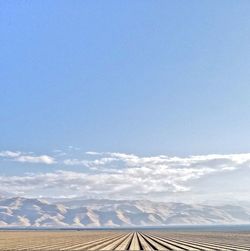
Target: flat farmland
x=123 y=240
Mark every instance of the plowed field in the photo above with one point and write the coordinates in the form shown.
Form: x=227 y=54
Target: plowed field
x=122 y=240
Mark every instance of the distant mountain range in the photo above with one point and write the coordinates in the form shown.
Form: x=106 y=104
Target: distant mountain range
x=24 y=212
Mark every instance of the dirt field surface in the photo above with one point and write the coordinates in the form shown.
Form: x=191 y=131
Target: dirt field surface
x=123 y=240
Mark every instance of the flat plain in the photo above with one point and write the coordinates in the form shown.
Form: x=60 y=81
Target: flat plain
x=123 y=240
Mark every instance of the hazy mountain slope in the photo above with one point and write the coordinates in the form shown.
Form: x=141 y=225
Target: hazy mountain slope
x=25 y=212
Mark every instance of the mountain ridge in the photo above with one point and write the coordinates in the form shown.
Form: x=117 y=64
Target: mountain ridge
x=32 y=212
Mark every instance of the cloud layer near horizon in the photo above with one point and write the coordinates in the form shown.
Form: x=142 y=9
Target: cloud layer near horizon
x=119 y=175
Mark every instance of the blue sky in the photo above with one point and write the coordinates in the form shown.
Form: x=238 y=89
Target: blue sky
x=146 y=78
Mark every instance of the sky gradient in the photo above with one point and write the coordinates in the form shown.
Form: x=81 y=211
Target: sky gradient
x=139 y=78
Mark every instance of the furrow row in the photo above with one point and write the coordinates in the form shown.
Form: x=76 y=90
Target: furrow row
x=133 y=241
x=204 y=245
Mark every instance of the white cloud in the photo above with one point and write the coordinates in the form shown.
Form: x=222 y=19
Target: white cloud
x=218 y=162
x=92 y=153
x=89 y=163
x=9 y=154
x=44 y=159
x=120 y=175
x=27 y=158
x=116 y=185
x=155 y=174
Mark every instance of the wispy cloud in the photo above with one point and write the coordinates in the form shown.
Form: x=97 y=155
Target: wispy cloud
x=93 y=153
x=27 y=158
x=216 y=162
x=45 y=159
x=89 y=163
x=121 y=175
x=9 y=154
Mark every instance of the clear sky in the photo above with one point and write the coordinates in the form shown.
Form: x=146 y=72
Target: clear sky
x=141 y=78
